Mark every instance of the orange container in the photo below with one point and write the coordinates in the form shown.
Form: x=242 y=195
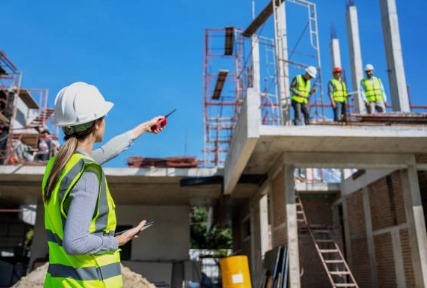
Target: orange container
x=235 y=272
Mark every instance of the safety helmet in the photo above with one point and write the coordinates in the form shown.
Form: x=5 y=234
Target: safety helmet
x=79 y=103
x=369 y=67
x=336 y=70
x=312 y=71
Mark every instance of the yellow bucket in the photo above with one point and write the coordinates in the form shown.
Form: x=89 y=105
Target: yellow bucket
x=235 y=272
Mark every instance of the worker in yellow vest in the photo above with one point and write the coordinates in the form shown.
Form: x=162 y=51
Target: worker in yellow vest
x=372 y=91
x=301 y=91
x=337 y=91
x=80 y=218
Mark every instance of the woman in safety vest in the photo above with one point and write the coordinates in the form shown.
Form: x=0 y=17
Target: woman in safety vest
x=80 y=217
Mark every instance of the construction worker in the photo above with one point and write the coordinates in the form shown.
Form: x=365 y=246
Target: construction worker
x=337 y=92
x=301 y=91
x=44 y=146
x=80 y=217
x=372 y=91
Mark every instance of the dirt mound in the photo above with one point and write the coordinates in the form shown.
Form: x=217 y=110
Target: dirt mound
x=36 y=279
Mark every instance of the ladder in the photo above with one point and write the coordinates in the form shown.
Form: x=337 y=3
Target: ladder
x=330 y=254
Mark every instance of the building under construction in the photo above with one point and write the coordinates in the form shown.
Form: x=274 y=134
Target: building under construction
x=329 y=204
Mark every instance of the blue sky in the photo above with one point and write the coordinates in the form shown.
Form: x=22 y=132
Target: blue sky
x=147 y=56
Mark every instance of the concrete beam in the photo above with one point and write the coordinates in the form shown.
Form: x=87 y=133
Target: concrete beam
x=348 y=160
x=260 y=19
x=244 y=140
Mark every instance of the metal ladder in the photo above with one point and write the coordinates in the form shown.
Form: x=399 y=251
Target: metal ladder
x=330 y=254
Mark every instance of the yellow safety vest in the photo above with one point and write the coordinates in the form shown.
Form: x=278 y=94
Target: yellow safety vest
x=373 y=91
x=303 y=87
x=339 y=93
x=101 y=270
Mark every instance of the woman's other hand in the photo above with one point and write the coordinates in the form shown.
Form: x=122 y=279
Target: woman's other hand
x=130 y=234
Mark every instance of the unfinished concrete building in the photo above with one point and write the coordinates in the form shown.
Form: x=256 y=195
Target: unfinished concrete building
x=346 y=200
x=365 y=230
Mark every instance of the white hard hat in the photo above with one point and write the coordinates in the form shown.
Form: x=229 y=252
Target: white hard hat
x=369 y=67
x=312 y=71
x=79 y=103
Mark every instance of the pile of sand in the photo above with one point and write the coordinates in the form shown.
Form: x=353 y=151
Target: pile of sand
x=36 y=279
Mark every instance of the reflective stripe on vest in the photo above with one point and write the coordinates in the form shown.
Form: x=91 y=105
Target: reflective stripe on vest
x=373 y=91
x=340 y=90
x=303 y=87
x=85 y=273
x=79 y=270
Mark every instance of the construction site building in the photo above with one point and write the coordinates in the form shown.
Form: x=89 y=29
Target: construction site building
x=346 y=200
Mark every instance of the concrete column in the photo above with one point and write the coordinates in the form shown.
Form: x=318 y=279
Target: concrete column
x=292 y=226
x=399 y=266
x=254 y=240
x=370 y=236
x=416 y=225
x=282 y=61
x=347 y=244
x=39 y=248
x=256 y=84
x=334 y=47
x=355 y=57
x=393 y=48
x=263 y=215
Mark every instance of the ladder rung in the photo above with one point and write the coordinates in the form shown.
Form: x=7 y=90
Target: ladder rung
x=345 y=285
x=328 y=250
x=334 y=261
x=324 y=241
x=339 y=272
x=319 y=231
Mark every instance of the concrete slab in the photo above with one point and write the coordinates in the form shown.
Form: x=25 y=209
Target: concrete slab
x=344 y=140
x=148 y=186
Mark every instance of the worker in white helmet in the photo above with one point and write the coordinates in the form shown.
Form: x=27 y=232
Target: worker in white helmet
x=372 y=91
x=80 y=218
x=301 y=91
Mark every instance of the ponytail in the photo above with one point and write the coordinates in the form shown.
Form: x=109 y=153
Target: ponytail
x=62 y=158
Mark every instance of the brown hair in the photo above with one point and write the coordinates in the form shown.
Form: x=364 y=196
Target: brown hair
x=64 y=154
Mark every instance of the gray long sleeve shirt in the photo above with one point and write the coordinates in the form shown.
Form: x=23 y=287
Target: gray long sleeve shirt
x=77 y=239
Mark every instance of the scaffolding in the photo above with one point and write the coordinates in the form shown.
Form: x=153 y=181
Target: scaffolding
x=235 y=60
x=22 y=118
x=222 y=91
